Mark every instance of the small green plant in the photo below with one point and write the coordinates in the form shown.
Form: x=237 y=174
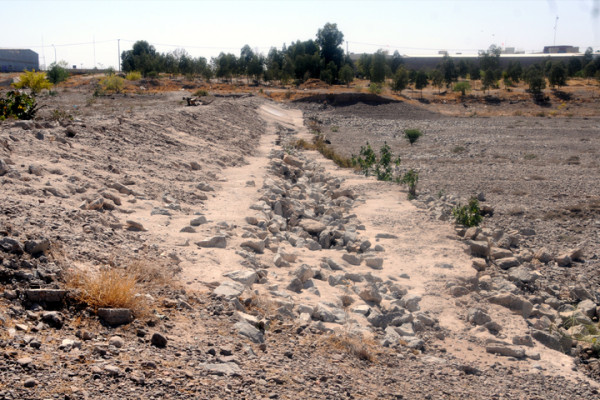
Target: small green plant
x=17 y=105
x=458 y=149
x=335 y=128
x=60 y=115
x=412 y=135
x=36 y=81
x=112 y=83
x=133 y=76
x=200 y=93
x=381 y=167
x=375 y=88
x=530 y=156
x=110 y=71
x=469 y=215
x=410 y=178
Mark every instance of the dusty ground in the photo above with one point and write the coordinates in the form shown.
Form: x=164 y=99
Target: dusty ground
x=159 y=151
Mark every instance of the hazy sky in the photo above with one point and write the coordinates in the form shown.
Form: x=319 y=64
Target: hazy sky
x=204 y=28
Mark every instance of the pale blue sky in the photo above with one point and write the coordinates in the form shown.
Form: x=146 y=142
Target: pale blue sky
x=204 y=28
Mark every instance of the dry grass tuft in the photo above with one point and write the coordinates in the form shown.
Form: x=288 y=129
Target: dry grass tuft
x=322 y=147
x=356 y=346
x=109 y=288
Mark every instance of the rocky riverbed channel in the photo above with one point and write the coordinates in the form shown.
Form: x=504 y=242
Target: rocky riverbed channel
x=302 y=294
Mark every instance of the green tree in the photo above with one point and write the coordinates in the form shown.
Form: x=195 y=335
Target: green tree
x=514 y=71
x=396 y=62
x=329 y=38
x=346 y=74
x=400 y=80
x=378 y=66
x=142 y=57
x=58 y=72
x=489 y=80
x=421 y=81
x=364 y=66
x=462 y=87
x=558 y=75
x=225 y=66
x=574 y=66
x=535 y=79
x=437 y=79
x=448 y=70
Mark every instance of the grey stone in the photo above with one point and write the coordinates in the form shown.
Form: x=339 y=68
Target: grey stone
x=113 y=370
x=3 y=167
x=29 y=383
x=295 y=285
x=222 y=369
x=158 y=340
x=554 y=341
x=505 y=350
x=215 y=241
x=478 y=317
x=522 y=274
x=246 y=277
x=258 y=246
x=229 y=290
x=543 y=255
x=411 y=302
x=205 y=187
x=115 y=316
x=244 y=328
x=391 y=337
x=198 y=221
x=499 y=253
x=134 y=226
x=304 y=273
x=328 y=313
x=352 y=259
x=523 y=340
x=53 y=318
x=513 y=302
x=374 y=262
x=563 y=260
x=312 y=226
x=479 y=248
x=405 y=329
x=187 y=229
x=385 y=236
x=508 y=262
x=10 y=245
x=370 y=294
x=587 y=307
x=116 y=341
x=35 y=247
x=46 y=295
x=292 y=161
x=458 y=291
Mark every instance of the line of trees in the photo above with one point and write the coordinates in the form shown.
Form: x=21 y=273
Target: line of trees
x=323 y=58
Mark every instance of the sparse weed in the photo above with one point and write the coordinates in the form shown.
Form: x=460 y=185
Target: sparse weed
x=530 y=156
x=133 y=76
x=335 y=129
x=60 y=115
x=381 y=167
x=36 y=81
x=112 y=83
x=375 y=88
x=356 y=346
x=411 y=178
x=458 y=149
x=200 y=93
x=322 y=147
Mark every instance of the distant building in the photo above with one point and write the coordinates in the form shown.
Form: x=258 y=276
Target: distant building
x=560 y=49
x=17 y=60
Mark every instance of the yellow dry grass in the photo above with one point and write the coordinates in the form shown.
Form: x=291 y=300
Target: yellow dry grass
x=359 y=347
x=108 y=288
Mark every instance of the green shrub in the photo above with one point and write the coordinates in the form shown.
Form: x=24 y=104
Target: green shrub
x=110 y=71
x=469 y=215
x=133 y=76
x=17 y=105
x=36 y=81
x=375 y=88
x=57 y=73
x=112 y=83
x=412 y=135
x=411 y=178
x=201 y=93
x=462 y=87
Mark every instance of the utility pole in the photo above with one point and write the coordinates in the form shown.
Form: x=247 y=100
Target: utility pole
x=94 y=38
x=555 y=25
x=54 y=53
x=119 y=54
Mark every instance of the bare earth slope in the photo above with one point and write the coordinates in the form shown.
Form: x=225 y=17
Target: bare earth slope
x=297 y=279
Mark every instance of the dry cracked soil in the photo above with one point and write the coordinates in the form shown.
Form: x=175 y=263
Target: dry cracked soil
x=263 y=270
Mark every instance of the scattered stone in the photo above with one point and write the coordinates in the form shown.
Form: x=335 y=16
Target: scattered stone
x=251 y=332
x=158 y=340
x=229 y=290
x=205 y=187
x=187 y=229
x=563 y=260
x=29 y=382
x=215 y=241
x=370 y=294
x=116 y=341
x=245 y=277
x=115 y=316
x=45 y=295
x=134 y=226
x=258 y=246
x=513 y=302
x=312 y=226
x=293 y=161
x=478 y=317
x=505 y=350
x=198 y=221
x=352 y=259
x=227 y=369
x=374 y=262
